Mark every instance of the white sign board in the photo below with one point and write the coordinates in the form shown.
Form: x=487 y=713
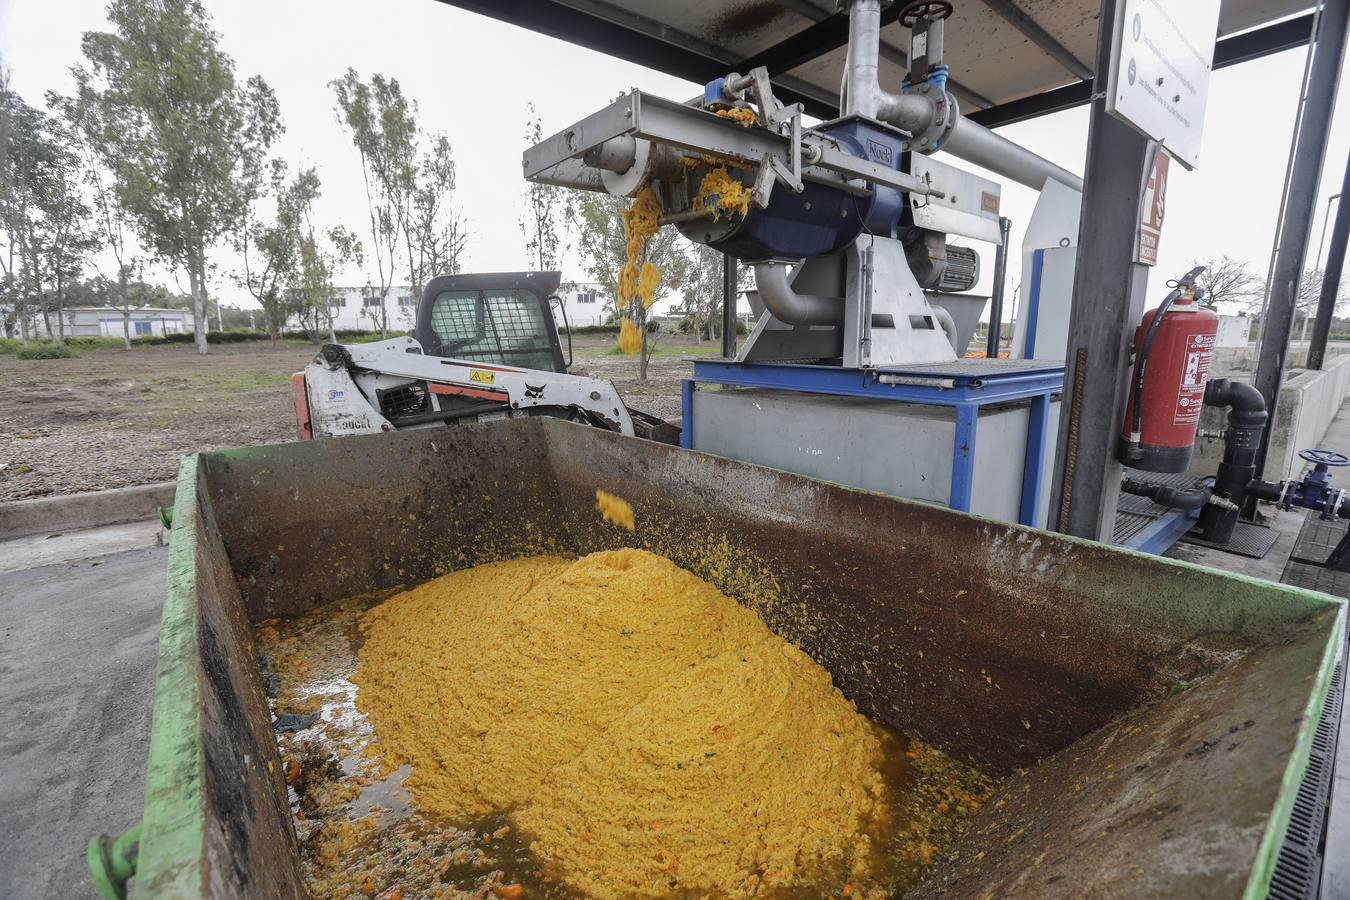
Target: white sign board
x=1159 y=77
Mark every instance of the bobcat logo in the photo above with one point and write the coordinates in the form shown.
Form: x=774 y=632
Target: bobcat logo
x=532 y=392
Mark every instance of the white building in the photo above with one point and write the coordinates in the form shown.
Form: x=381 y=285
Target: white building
x=358 y=309
x=146 y=321
x=587 y=303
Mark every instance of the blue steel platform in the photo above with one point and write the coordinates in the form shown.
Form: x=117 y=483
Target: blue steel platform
x=965 y=385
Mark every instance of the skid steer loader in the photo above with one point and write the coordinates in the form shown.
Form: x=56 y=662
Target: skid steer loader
x=485 y=346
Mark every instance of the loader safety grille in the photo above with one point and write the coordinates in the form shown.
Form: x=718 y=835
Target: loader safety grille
x=403 y=401
x=507 y=327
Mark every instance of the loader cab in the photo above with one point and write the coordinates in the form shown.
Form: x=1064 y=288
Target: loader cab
x=502 y=318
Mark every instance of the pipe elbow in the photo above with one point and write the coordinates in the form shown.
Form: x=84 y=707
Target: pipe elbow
x=944 y=319
x=1241 y=398
x=771 y=279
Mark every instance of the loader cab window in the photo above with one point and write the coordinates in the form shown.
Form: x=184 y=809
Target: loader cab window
x=503 y=326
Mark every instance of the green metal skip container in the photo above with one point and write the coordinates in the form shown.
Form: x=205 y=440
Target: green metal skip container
x=1153 y=719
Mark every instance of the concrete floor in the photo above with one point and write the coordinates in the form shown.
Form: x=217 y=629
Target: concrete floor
x=79 y=625
x=1286 y=522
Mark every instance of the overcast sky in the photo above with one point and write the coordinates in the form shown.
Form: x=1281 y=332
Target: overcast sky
x=472 y=78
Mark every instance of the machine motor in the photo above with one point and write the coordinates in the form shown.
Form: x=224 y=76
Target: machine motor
x=1173 y=350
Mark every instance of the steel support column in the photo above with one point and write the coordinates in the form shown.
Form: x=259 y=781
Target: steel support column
x=994 y=341
x=1307 y=154
x=730 y=271
x=1108 y=299
x=1331 y=278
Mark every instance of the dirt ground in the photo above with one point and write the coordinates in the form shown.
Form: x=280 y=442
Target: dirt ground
x=113 y=418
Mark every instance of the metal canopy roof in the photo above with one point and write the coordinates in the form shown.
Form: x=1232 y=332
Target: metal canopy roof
x=1009 y=59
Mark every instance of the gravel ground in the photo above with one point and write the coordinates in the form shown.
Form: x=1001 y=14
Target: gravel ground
x=113 y=418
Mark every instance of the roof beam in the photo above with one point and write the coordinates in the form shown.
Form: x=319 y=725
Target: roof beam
x=829 y=33
x=602 y=27
x=1017 y=18
x=1229 y=51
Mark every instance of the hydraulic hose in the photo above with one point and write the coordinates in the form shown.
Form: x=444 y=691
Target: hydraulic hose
x=1170 y=497
x=1186 y=282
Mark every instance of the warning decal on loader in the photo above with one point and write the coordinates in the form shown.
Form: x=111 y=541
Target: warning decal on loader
x=482 y=377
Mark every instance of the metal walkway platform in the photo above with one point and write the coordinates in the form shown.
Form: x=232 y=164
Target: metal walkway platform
x=1143 y=525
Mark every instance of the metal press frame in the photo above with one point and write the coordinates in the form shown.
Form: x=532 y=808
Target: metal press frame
x=964 y=392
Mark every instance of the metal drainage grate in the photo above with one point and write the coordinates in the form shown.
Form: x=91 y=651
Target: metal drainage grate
x=1316 y=578
x=1317 y=538
x=1299 y=866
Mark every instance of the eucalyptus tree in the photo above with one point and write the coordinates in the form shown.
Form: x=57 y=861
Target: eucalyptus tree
x=191 y=140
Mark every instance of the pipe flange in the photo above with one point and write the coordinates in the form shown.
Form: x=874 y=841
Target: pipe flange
x=945 y=113
x=627 y=183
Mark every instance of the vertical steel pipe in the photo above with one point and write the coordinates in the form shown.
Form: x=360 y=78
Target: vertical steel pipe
x=729 y=294
x=1307 y=155
x=996 y=297
x=1331 y=278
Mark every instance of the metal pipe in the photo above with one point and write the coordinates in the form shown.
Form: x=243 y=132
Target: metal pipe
x=976 y=144
x=1307 y=155
x=864 y=94
x=730 y=271
x=1331 y=278
x=948 y=324
x=771 y=279
x=991 y=346
x=615 y=155
x=1247 y=418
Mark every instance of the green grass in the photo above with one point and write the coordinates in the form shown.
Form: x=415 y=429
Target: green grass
x=616 y=350
x=231 y=382
x=46 y=350
x=96 y=342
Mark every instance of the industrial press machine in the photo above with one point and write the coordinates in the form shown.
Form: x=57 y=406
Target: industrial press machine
x=854 y=370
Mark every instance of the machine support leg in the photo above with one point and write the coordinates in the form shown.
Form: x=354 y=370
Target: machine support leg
x=1038 y=427
x=963 y=455
x=1108 y=300
x=1307 y=156
x=996 y=300
x=687 y=413
x=730 y=272
x=1331 y=280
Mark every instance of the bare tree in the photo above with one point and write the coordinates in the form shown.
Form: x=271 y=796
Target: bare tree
x=549 y=211
x=1310 y=293
x=1229 y=280
x=434 y=232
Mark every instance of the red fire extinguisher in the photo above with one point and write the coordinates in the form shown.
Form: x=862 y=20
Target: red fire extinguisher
x=1173 y=351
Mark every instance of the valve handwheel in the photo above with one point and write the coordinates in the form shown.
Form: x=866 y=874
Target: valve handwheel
x=924 y=9
x=1324 y=457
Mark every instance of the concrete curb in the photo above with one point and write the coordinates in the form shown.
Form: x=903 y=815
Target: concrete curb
x=69 y=512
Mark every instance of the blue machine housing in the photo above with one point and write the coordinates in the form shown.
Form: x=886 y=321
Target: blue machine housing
x=823 y=219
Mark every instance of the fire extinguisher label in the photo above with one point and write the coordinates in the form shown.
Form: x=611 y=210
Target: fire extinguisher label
x=1194 y=374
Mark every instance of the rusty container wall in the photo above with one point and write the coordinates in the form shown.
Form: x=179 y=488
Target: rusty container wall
x=1153 y=717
